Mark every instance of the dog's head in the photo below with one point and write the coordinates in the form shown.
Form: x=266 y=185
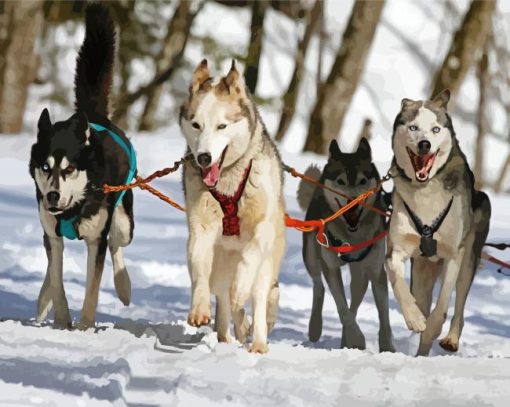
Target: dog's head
x=58 y=161
x=351 y=174
x=423 y=136
x=217 y=120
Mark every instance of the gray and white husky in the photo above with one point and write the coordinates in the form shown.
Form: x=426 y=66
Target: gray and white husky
x=70 y=159
x=439 y=220
x=235 y=208
x=350 y=174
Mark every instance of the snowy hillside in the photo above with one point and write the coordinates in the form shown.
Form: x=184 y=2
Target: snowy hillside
x=145 y=354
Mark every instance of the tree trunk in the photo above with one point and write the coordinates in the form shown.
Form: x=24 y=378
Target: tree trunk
x=126 y=100
x=498 y=186
x=173 y=50
x=290 y=97
x=483 y=80
x=336 y=92
x=251 y=71
x=20 y=24
x=468 y=40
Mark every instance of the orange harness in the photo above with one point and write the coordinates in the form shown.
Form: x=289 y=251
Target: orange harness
x=318 y=225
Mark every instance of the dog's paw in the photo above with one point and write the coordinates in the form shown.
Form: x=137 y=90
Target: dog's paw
x=199 y=316
x=224 y=338
x=84 y=324
x=353 y=338
x=415 y=320
x=259 y=347
x=123 y=286
x=449 y=344
x=62 y=323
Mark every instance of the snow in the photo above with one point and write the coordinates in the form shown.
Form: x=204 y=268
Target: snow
x=146 y=354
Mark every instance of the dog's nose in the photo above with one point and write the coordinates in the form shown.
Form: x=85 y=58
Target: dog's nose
x=53 y=198
x=423 y=147
x=204 y=159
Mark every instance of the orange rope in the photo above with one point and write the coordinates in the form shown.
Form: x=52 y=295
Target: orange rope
x=310 y=180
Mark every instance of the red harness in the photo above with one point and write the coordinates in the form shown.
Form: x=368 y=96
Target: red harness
x=229 y=206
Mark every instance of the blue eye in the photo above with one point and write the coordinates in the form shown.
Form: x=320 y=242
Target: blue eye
x=436 y=129
x=413 y=128
x=45 y=167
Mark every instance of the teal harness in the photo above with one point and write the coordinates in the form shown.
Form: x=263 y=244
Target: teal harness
x=66 y=226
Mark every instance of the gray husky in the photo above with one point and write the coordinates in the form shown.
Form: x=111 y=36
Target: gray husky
x=439 y=220
x=351 y=174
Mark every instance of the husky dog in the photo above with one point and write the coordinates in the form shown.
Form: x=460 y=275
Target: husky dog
x=235 y=208
x=350 y=174
x=439 y=220
x=68 y=162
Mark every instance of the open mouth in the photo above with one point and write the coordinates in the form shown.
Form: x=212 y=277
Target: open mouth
x=422 y=164
x=352 y=216
x=211 y=174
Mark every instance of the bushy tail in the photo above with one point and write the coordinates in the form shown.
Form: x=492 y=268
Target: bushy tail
x=94 y=65
x=305 y=190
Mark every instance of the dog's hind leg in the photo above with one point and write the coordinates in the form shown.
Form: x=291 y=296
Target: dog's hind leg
x=272 y=306
x=351 y=333
x=222 y=317
x=120 y=236
x=380 y=292
x=311 y=254
x=359 y=285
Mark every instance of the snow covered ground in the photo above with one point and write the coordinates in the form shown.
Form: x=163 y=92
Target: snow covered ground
x=145 y=354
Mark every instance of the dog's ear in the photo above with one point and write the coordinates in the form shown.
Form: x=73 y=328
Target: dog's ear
x=44 y=123
x=82 y=126
x=406 y=103
x=442 y=99
x=233 y=81
x=364 y=148
x=200 y=75
x=334 y=149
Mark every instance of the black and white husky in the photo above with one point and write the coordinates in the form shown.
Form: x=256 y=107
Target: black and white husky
x=351 y=174
x=439 y=222
x=68 y=163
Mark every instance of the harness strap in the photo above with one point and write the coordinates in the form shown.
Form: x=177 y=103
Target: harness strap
x=229 y=205
x=66 y=227
x=348 y=248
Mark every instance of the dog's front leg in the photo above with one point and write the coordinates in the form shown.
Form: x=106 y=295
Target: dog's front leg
x=95 y=263
x=55 y=251
x=395 y=266
x=200 y=259
x=438 y=315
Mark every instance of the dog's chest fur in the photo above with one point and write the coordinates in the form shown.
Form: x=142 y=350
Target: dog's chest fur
x=427 y=202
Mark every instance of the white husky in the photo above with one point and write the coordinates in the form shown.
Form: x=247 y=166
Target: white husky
x=235 y=208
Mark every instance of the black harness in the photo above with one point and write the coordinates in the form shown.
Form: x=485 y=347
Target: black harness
x=428 y=245
x=349 y=257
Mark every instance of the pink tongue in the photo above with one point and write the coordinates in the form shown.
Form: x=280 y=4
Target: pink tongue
x=210 y=175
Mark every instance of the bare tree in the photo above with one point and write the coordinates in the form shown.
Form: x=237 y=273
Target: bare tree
x=20 y=24
x=126 y=100
x=336 y=92
x=251 y=72
x=483 y=81
x=172 y=52
x=290 y=97
x=467 y=42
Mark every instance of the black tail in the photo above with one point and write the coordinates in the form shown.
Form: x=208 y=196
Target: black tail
x=94 y=65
